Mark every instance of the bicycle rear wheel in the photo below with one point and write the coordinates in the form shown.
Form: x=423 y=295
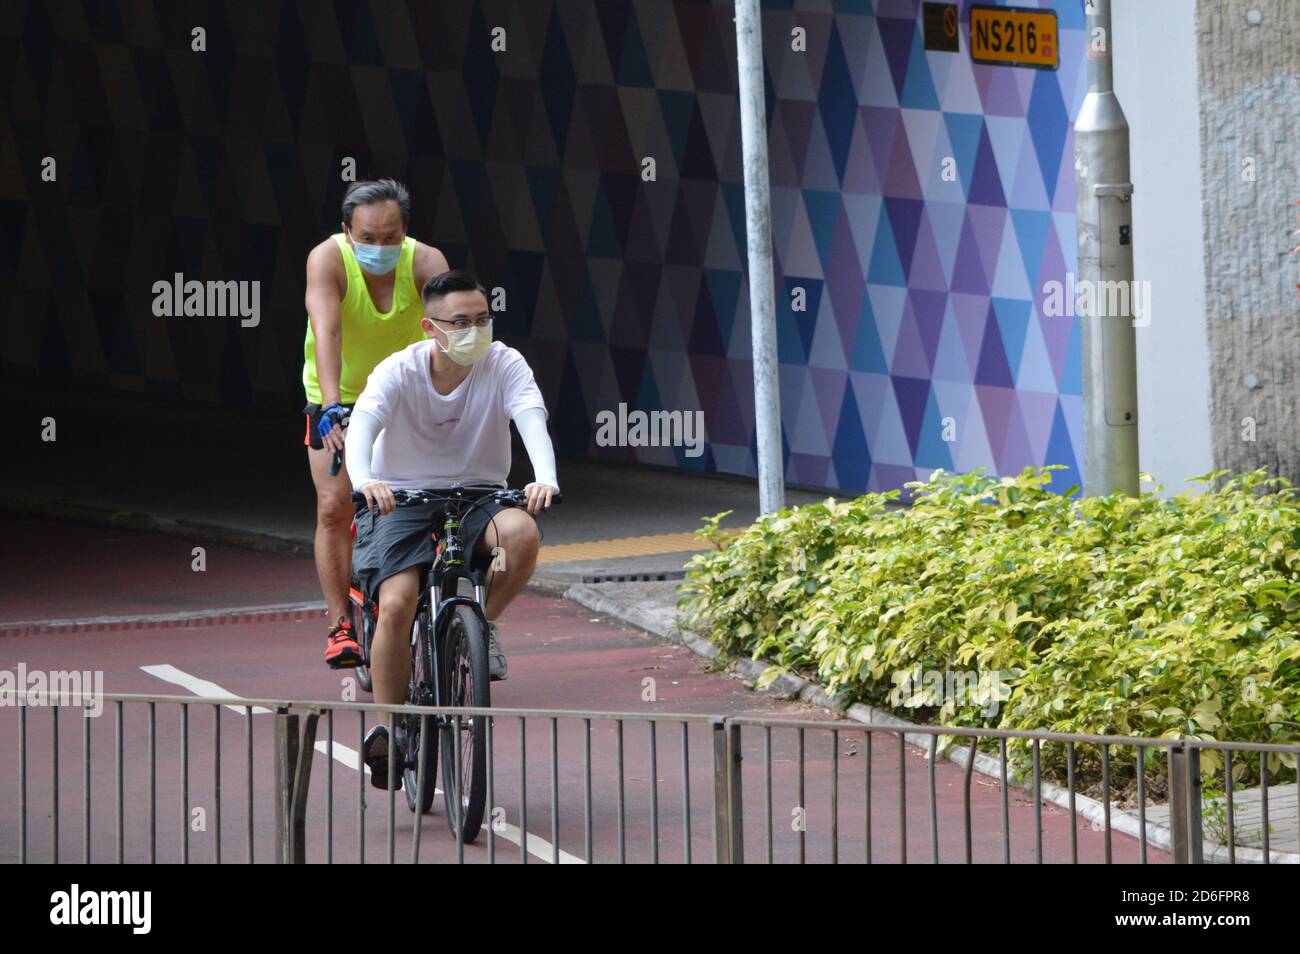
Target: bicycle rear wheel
x=464 y=779
x=420 y=693
x=362 y=618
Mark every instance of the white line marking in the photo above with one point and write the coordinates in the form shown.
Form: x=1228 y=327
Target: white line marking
x=537 y=846
x=200 y=687
x=342 y=754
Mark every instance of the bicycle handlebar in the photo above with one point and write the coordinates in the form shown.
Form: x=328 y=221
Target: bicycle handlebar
x=510 y=498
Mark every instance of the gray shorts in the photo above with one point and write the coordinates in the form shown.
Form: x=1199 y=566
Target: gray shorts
x=387 y=544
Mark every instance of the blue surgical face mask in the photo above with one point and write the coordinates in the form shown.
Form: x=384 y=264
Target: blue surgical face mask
x=376 y=259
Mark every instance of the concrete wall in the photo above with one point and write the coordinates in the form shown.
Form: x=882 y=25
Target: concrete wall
x=1249 y=58
x=1156 y=82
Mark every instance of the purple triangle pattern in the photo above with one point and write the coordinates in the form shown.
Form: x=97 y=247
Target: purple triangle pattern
x=526 y=167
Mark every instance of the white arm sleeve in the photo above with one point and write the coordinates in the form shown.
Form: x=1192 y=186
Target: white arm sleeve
x=363 y=428
x=531 y=423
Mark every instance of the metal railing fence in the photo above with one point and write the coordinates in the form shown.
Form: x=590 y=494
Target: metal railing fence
x=626 y=787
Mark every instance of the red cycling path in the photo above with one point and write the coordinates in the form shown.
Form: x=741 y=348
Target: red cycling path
x=561 y=657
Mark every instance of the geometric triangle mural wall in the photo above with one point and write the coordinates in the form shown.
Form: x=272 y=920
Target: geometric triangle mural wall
x=910 y=326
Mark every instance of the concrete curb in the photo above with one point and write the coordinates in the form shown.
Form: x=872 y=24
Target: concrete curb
x=281 y=613
x=664 y=625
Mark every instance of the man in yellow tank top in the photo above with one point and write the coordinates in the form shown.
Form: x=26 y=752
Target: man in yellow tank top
x=363 y=304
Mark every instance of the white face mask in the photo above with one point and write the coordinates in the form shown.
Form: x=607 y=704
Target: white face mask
x=468 y=345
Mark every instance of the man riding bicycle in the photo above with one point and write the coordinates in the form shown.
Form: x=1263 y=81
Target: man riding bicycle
x=433 y=415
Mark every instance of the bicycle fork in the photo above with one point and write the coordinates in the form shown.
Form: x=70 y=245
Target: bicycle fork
x=438 y=628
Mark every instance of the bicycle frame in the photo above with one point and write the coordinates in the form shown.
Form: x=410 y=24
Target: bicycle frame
x=447 y=570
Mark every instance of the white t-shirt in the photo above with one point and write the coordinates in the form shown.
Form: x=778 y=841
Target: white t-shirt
x=436 y=440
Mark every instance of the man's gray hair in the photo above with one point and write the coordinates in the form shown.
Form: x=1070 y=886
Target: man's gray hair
x=370 y=193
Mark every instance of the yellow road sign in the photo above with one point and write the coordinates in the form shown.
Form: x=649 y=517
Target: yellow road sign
x=1015 y=36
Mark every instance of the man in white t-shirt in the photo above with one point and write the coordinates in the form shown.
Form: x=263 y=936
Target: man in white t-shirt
x=435 y=414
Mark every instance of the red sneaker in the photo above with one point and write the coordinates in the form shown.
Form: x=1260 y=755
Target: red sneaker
x=342 y=650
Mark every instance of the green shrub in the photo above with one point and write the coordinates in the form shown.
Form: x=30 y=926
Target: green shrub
x=1145 y=616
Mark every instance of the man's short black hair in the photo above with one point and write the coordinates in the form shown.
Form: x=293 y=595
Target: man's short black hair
x=456 y=280
x=371 y=193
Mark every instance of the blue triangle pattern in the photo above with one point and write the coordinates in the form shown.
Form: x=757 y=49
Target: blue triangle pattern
x=836 y=101
x=1060 y=450
x=539 y=192
x=931 y=449
x=886 y=267
x=850 y=454
x=918 y=88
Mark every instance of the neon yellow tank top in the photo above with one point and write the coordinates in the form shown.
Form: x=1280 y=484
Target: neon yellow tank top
x=368 y=336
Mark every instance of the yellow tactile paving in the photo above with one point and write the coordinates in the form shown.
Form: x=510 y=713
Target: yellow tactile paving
x=621 y=547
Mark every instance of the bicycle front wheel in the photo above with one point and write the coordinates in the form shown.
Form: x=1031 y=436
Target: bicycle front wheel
x=464 y=753
x=420 y=693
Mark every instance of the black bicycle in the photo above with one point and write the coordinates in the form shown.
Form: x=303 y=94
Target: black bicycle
x=449 y=660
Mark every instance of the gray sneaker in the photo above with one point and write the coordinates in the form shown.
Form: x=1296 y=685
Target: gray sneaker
x=497 y=668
